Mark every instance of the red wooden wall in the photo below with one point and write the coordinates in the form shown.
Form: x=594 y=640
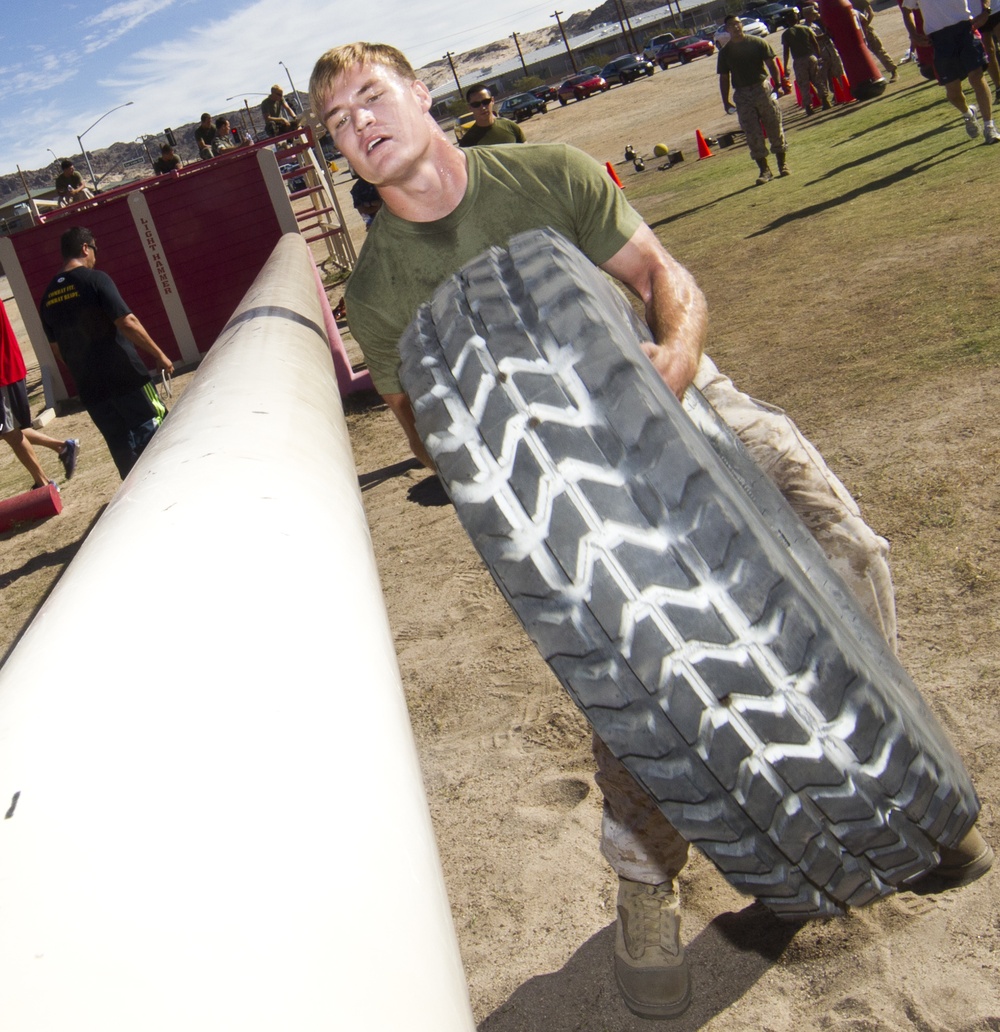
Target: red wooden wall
x=209 y=229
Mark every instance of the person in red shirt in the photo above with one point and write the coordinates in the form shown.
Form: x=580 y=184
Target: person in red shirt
x=15 y=413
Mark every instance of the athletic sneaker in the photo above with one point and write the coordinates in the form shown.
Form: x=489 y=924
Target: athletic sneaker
x=990 y=134
x=971 y=122
x=68 y=456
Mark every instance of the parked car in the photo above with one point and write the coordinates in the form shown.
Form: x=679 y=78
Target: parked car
x=522 y=106
x=547 y=93
x=591 y=70
x=684 y=50
x=754 y=27
x=772 y=15
x=582 y=86
x=751 y=27
x=650 y=47
x=627 y=68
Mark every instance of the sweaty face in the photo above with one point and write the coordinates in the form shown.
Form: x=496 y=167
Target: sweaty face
x=378 y=121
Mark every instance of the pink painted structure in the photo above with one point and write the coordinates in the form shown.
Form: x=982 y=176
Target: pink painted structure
x=183 y=249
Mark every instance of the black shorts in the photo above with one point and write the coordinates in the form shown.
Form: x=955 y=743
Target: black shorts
x=957 y=51
x=15 y=412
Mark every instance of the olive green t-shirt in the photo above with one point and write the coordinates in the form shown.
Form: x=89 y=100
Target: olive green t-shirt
x=746 y=61
x=503 y=130
x=511 y=189
x=800 y=41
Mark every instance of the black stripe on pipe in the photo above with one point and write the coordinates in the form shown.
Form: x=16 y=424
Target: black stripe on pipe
x=274 y=312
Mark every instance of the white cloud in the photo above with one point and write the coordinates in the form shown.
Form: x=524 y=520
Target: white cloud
x=191 y=59
x=47 y=72
x=118 y=20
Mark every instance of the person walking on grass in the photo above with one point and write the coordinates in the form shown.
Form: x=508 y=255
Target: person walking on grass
x=801 y=42
x=958 y=55
x=15 y=413
x=745 y=63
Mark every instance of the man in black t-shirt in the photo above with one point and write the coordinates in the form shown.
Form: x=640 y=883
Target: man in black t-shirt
x=93 y=331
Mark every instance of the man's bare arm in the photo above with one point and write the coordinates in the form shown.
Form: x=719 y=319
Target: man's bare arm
x=675 y=311
x=919 y=38
x=136 y=332
x=675 y=307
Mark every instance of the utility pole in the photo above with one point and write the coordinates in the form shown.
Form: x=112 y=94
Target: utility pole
x=517 y=44
x=453 y=72
x=572 y=59
x=626 y=35
x=628 y=22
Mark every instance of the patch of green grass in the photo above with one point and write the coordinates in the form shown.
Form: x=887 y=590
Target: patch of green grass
x=868 y=262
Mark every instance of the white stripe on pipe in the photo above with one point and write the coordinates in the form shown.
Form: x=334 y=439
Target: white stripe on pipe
x=215 y=816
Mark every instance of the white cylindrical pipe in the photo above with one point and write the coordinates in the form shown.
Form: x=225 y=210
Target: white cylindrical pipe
x=214 y=811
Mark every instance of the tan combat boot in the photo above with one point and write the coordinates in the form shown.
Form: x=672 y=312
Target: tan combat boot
x=650 y=967
x=969 y=860
x=766 y=175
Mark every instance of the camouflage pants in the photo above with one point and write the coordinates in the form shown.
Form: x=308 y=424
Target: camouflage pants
x=755 y=107
x=636 y=838
x=877 y=47
x=830 y=64
x=807 y=72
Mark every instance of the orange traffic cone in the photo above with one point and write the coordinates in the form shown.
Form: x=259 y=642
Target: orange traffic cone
x=798 y=95
x=845 y=88
x=613 y=174
x=703 y=151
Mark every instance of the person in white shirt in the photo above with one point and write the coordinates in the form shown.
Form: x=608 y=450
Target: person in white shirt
x=958 y=54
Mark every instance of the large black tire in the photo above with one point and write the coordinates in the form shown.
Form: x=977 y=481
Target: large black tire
x=673 y=592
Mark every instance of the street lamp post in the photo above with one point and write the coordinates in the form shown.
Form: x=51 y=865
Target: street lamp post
x=292 y=84
x=79 y=140
x=145 y=146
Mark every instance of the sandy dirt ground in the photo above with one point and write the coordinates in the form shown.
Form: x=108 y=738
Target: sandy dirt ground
x=506 y=757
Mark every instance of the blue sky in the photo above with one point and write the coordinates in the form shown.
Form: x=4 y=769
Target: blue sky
x=64 y=65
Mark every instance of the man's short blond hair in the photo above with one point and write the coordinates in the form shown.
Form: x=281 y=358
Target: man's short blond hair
x=345 y=58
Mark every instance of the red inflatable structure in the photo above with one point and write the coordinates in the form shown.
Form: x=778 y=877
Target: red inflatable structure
x=865 y=79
